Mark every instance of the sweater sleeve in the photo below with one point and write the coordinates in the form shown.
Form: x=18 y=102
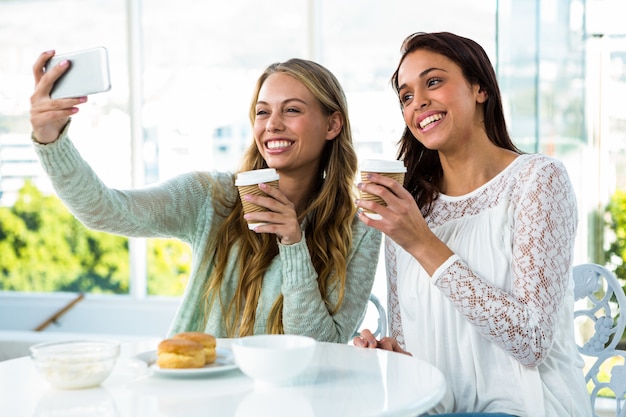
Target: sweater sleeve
x=161 y=210
x=523 y=321
x=304 y=311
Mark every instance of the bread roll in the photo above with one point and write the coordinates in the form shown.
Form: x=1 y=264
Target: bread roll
x=180 y=353
x=205 y=339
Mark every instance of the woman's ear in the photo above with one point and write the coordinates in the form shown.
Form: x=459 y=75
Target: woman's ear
x=481 y=94
x=335 y=124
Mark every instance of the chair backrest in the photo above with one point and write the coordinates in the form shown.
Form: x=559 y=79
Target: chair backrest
x=381 y=329
x=599 y=298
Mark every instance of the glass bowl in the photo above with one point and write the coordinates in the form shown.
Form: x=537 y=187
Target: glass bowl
x=75 y=364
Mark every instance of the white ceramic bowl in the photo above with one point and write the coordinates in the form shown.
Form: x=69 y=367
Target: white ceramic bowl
x=75 y=364
x=273 y=359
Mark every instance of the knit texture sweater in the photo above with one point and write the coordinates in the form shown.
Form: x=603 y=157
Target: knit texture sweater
x=182 y=208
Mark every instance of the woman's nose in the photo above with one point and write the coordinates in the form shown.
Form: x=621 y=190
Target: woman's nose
x=274 y=123
x=420 y=101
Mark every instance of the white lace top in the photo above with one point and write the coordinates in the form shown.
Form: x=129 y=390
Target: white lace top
x=497 y=317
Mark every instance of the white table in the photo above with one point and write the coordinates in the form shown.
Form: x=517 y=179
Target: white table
x=342 y=381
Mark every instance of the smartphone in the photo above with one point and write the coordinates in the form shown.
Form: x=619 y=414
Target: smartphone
x=88 y=73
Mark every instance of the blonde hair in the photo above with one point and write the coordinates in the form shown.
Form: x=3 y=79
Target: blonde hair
x=330 y=212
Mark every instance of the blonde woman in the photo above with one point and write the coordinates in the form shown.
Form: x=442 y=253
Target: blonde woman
x=308 y=271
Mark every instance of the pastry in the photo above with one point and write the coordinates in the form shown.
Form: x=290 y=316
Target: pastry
x=205 y=339
x=180 y=353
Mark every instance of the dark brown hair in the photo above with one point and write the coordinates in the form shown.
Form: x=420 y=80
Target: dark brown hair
x=424 y=171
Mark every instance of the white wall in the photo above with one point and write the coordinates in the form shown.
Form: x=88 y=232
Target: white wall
x=94 y=317
x=94 y=314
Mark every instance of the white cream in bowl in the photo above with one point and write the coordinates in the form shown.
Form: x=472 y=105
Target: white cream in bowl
x=75 y=364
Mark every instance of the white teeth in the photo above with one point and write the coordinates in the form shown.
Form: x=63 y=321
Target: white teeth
x=276 y=144
x=430 y=119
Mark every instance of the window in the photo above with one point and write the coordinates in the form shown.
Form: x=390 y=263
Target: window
x=182 y=79
x=183 y=74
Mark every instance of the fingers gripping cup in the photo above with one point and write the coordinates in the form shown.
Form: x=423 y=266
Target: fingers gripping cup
x=247 y=182
x=389 y=168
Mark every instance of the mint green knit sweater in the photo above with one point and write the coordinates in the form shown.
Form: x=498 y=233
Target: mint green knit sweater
x=182 y=208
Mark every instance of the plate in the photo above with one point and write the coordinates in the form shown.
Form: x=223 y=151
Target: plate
x=223 y=362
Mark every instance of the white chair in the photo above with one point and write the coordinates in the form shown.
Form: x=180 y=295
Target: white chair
x=599 y=298
x=381 y=329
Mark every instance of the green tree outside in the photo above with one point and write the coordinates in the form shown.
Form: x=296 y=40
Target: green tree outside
x=169 y=265
x=43 y=248
x=616 y=252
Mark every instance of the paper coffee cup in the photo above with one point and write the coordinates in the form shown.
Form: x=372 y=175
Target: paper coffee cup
x=389 y=168
x=247 y=182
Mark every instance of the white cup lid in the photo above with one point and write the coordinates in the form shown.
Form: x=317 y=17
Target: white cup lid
x=257 y=176
x=382 y=165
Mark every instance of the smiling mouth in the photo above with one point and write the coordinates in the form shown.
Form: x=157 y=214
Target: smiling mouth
x=278 y=144
x=430 y=120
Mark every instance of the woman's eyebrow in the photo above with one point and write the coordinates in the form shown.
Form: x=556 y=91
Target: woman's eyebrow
x=286 y=101
x=423 y=74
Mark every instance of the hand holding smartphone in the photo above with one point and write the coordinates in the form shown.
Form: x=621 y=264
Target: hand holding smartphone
x=88 y=73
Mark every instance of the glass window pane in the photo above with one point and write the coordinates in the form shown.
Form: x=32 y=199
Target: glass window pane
x=43 y=247
x=201 y=62
x=361 y=45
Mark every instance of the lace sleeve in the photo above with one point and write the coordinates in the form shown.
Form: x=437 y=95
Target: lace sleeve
x=523 y=321
x=393 y=305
